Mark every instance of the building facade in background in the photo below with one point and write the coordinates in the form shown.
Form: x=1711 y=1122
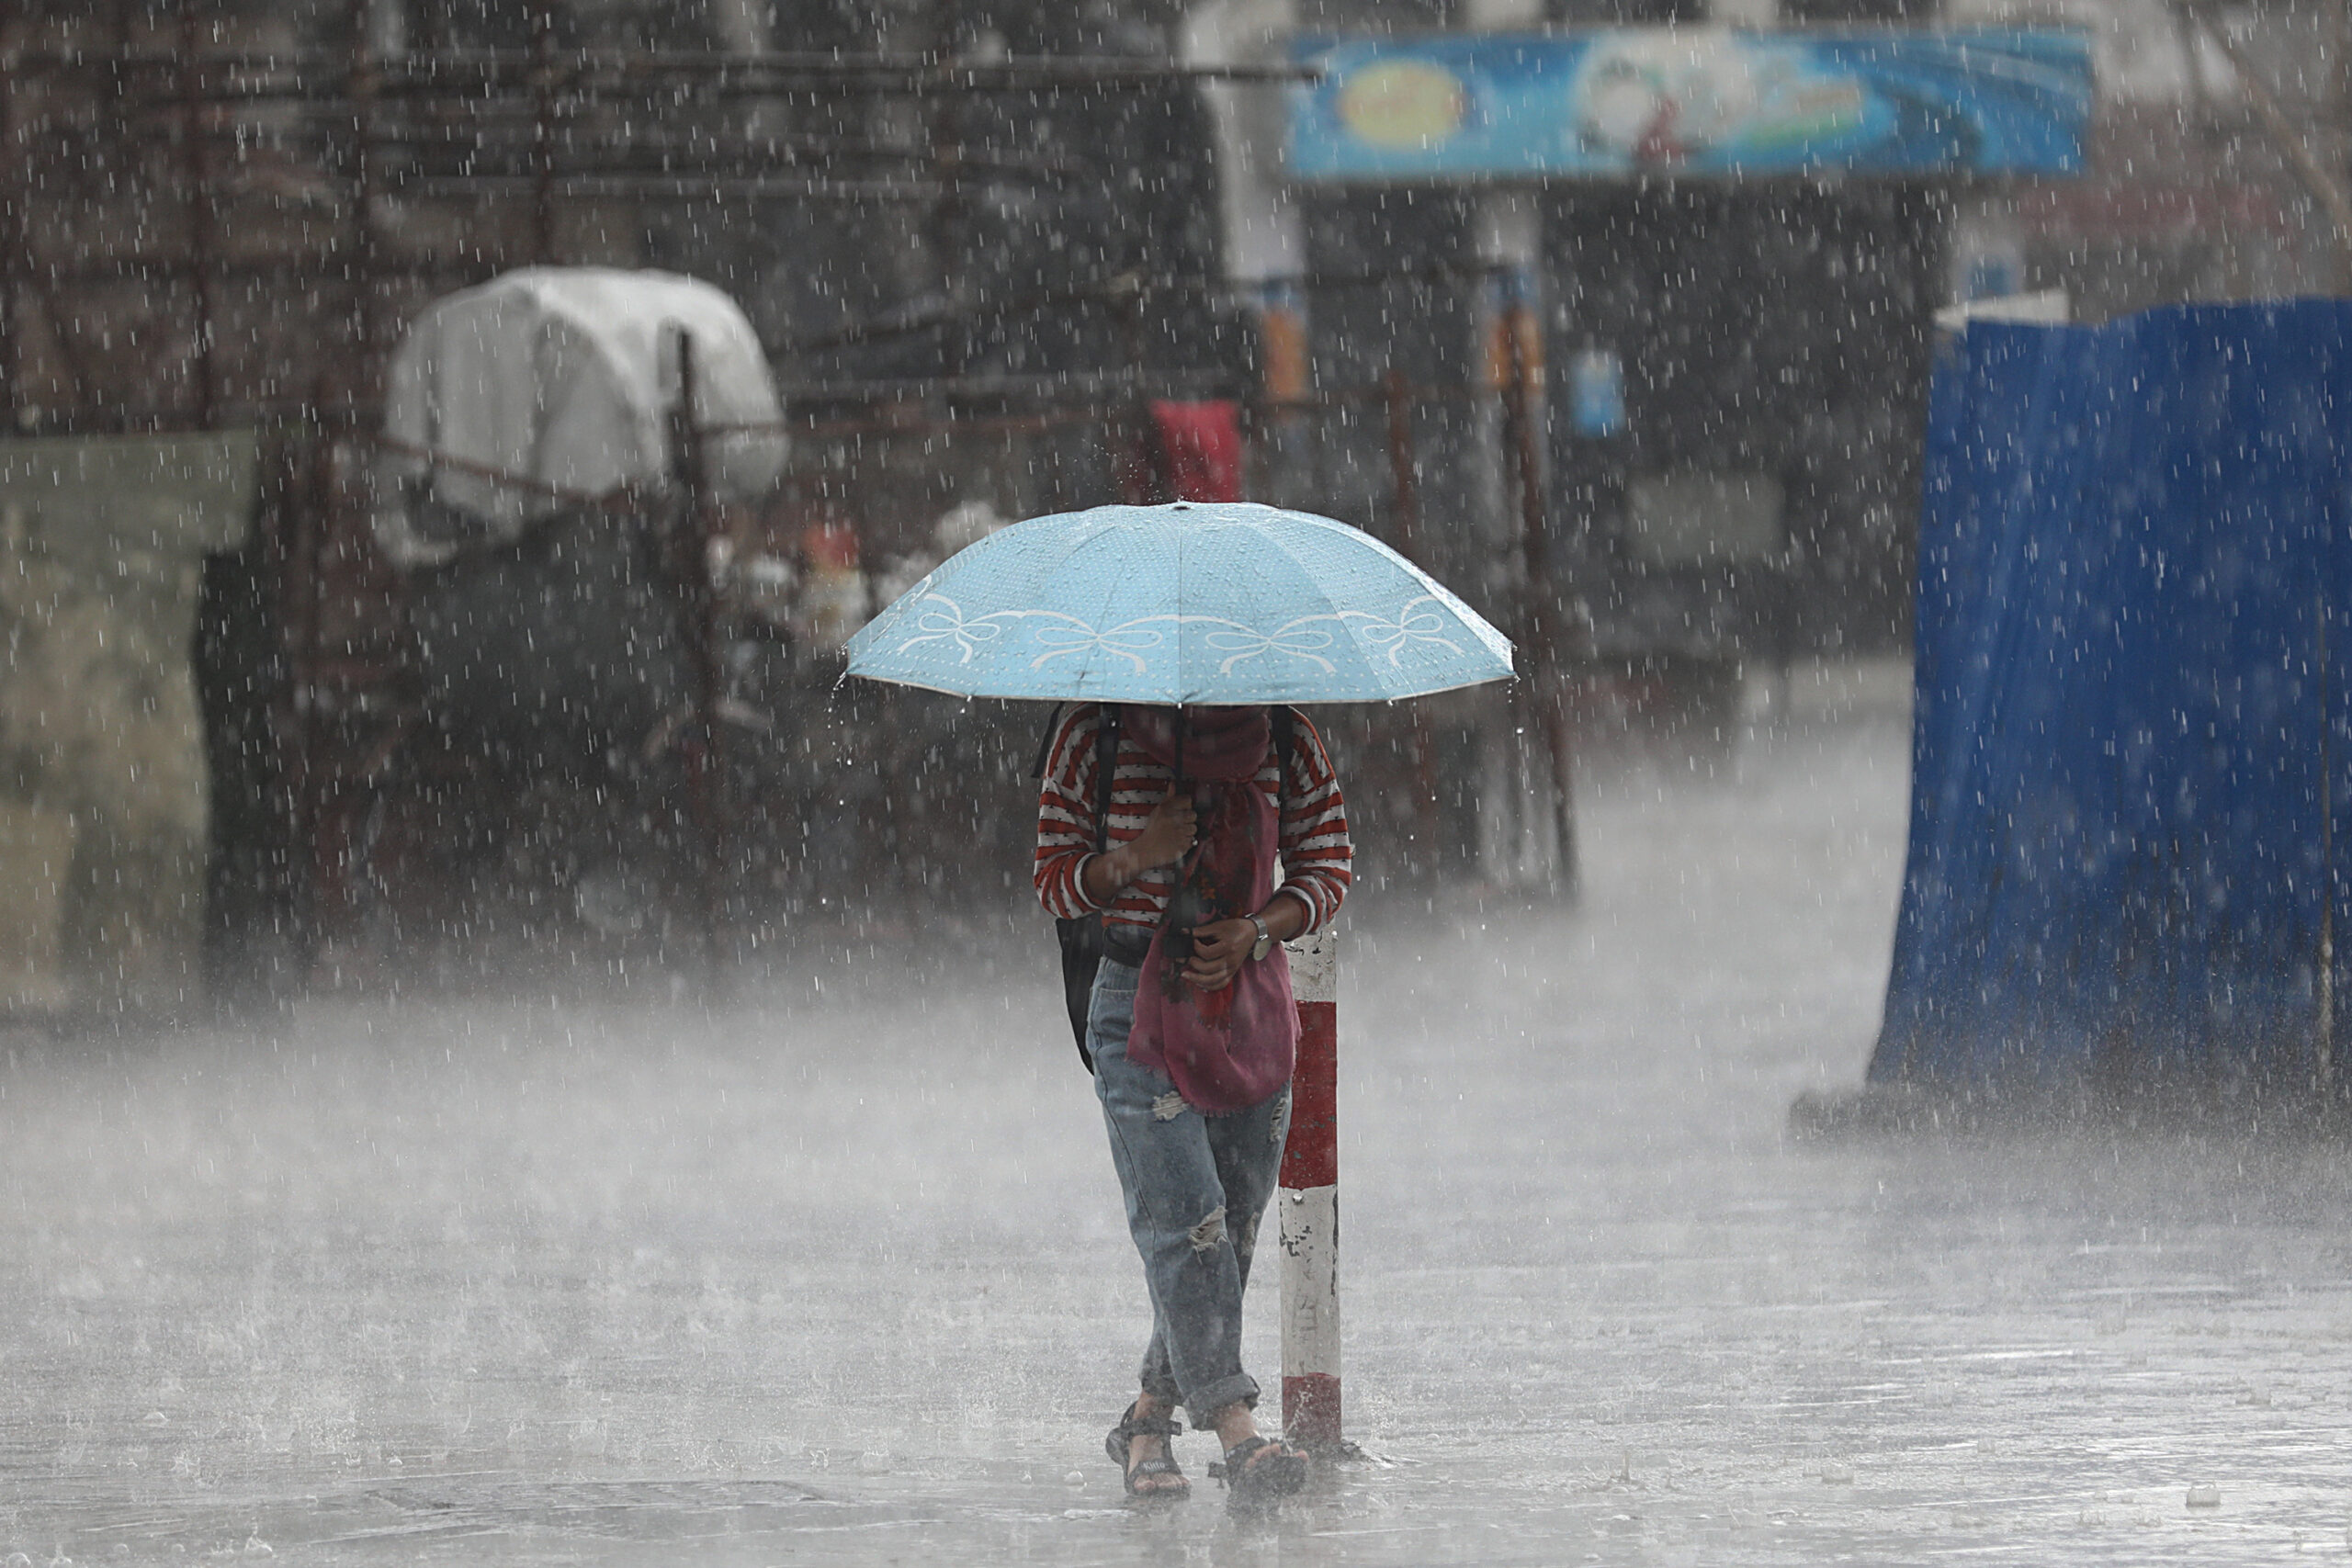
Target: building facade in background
x=1639 y=380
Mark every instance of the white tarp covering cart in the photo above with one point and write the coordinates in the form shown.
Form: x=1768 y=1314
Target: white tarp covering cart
x=550 y=386
x=560 y=446
x=533 y=492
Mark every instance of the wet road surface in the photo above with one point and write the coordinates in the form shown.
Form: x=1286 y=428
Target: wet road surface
x=838 y=1274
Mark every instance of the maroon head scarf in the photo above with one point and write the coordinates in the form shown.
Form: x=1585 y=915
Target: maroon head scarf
x=1218 y=745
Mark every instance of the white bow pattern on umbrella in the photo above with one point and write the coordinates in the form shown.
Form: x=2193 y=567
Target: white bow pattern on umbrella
x=942 y=619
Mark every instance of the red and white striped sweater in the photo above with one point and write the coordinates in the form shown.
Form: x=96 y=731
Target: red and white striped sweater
x=1316 y=853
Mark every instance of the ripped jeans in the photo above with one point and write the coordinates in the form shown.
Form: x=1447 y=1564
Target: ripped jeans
x=1195 y=1187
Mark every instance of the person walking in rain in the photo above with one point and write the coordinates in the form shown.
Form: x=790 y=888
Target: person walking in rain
x=1191 y=1029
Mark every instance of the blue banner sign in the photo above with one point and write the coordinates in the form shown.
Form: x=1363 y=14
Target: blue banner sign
x=1699 y=101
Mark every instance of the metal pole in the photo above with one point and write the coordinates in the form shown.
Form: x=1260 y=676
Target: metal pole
x=1407 y=519
x=542 y=133
x=15 y=190
x=2324 y=184
x=950 y=221
x=307 y=796
x=1135 y=472
x=89 y=389
x=1546 y=678
x=1406 y=522
x=365 y=78
x=1310 y=1202
x=698 y=605
x=196 y=173
x=281 y=520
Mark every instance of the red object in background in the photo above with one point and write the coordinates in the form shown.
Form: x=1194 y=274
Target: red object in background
x=1200 y=448
x=829 y=546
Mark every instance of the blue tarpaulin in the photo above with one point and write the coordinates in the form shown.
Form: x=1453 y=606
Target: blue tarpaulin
x=2129 y=819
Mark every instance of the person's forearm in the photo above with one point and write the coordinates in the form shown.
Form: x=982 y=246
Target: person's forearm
x=1106 y=874
x=1286 y=914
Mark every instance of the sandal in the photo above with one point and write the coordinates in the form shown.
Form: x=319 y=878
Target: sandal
x=1255 y=1475
x=1118 y=1444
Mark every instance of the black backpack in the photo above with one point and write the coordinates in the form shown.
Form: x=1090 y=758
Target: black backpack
x=1082 y=939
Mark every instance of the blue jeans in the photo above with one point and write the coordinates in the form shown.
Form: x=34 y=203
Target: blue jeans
x=1196 y=1187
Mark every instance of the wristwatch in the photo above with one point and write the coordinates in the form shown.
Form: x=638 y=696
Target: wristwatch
x=1265 y=942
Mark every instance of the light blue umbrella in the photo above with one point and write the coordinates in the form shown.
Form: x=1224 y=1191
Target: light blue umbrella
x=1204 y=603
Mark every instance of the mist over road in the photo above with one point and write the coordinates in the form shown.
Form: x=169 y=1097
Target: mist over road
x=837 y=1273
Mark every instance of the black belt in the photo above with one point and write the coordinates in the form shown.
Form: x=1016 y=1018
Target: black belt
x=1126 y=943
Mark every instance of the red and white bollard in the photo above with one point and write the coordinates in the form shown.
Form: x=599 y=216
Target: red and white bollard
x=1310 y=1202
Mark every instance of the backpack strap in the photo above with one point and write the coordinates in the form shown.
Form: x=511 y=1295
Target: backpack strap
x=1045 y=742
x=1285 y=721
x=1106 y=767
x=1080 y=939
